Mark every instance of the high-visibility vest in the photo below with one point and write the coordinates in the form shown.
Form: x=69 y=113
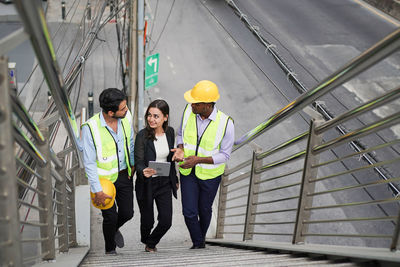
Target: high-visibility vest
x=106 y=148
x=209 y=144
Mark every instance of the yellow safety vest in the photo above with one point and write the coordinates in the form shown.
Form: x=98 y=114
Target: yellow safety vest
x=209 y=145
x=106 y=148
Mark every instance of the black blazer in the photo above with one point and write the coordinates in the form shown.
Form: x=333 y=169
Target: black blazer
x=144 y=152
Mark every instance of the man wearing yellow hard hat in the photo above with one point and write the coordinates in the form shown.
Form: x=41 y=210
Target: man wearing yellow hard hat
x=107 y=139
x=204 y=144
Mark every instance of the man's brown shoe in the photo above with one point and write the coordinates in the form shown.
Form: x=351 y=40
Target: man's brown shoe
x=148 y=249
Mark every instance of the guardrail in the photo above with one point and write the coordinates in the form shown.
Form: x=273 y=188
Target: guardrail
x=293 y=192
x=37 y=195
x=37 y=185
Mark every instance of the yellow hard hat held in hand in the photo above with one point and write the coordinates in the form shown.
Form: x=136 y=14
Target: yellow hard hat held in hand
x=109 y=189
x=203 y=92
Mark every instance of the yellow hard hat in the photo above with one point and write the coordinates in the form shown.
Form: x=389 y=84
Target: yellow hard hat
x=204 y=91
x=109 y=189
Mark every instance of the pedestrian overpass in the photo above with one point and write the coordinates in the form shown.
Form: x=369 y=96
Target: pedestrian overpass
x=277 y=207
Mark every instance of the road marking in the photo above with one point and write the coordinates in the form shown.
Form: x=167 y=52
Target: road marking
x=171 y=65
x=233 y=43
x=379 y=13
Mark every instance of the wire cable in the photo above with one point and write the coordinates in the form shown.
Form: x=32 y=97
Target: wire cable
x=165 y=24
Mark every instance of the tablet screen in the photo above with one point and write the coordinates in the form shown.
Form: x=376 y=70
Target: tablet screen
x=162 y=168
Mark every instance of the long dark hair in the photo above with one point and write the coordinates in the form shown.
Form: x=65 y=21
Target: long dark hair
x=164 y=108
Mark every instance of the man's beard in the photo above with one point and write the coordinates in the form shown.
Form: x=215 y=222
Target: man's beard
x=119 y=117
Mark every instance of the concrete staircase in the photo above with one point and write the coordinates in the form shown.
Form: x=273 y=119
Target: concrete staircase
x=211 y=256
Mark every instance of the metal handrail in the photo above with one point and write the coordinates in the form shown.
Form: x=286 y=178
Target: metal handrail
x=24 y=141
x=35 y=26
x=363 y=131
x=288 y=193
x=42 y=154
x=51 y=200
x=27 y=120
x=374 y=148
x=376 y=53
x=370 y=105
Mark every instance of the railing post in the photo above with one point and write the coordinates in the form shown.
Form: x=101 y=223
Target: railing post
x=71 y=213
x=79 y=174
x=252 y=198
x=306 y=186
x=46 y=216
x=396 y=235
x=222 y=206
x=63 y=10
x=89 y=11
x=10 y=239
x=62 y=210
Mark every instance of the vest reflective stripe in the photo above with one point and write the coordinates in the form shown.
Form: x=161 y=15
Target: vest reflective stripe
x=102 y=172
x=106 y=151
x=210 y=166
x=129 y=116
x=108 y=159
x=209 y=143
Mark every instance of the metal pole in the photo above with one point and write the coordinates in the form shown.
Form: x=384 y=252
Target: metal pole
x=46 y=216
x=111 y=6
x=223 y=191
x=62 y=210
x=89 y=11
x=71 y=212
x=133 y=66
x=79 y=174
x=10 y=239
x=63 y=10
x=252 y=198
x=306 y=186
x=90 y=104
x=396 y=235
x=140 y=55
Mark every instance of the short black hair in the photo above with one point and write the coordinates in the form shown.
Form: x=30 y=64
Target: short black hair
x=110 y=99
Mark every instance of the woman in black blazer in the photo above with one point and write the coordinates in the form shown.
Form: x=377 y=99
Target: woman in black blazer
x=154 y=143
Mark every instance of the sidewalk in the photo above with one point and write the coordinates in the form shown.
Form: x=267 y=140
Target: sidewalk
x=391 y=7
x=8 y=13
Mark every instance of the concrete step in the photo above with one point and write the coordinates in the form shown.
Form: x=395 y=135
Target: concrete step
x=210 y=256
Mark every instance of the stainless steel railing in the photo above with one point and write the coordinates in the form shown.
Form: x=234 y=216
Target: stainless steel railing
x=302 y=191
x=37 y=185
x=36 y=27
x=41 y=221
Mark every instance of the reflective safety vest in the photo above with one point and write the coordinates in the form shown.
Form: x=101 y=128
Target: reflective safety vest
x=208 y=145
x=106 y=147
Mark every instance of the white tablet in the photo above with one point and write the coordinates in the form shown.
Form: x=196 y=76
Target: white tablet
x=162 y=168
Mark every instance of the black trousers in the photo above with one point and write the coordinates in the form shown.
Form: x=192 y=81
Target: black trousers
x=121 y=211
x=162 y=195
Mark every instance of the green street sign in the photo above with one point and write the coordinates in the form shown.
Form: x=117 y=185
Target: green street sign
x=151 y=71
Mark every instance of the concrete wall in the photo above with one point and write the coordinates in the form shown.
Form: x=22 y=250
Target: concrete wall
x=391 y=7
